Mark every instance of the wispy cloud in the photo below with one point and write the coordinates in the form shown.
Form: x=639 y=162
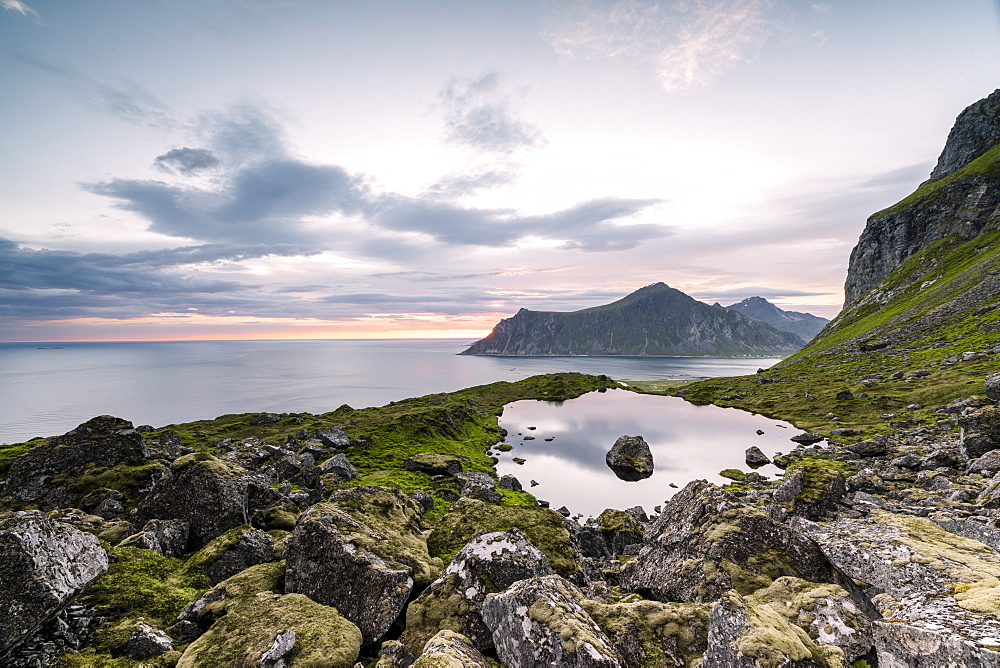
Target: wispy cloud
x=690 y=43
x=477 y=115
x=19 y=7
x=186 y=161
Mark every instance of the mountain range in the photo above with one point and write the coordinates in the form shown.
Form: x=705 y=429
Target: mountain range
x=656 y=320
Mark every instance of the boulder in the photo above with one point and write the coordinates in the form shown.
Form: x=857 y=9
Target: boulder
x=706 y=542
x=755 y=636
x=489 y=564
x=43 y=565
x=619 y=529
x=394 y=654
x=333 y=437
x=755 y=458
x=168 y=537
x=652 y=633
x=940 y=592
x=147 y=642
x=106 y=503
x=480 y=486
x=987 y=464
x=825 y=612
x=271 y=630
x=44 y=475
x=808 y=491
x=980 y=431
x=447 y=649
x=546 y=529
x=630 y=458
x=509 y=482
x=807 y=438
x=339 y=466
x=542 y=622
x=361 y=553
x=231 y=594
x=992 y=386
x=234 y=551
x=207 y=493
x=432 y=463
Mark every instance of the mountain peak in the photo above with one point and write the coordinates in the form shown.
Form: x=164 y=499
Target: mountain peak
x=804 y=325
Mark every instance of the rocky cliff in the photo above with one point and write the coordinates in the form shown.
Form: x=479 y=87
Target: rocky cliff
x=654 y=320
x=960 y=200
x=803 y=325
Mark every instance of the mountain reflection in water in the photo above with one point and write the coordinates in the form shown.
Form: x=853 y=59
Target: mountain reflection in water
x=687 y=442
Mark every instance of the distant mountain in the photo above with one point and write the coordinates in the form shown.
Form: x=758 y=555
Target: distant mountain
x=803 y=325
x=654 y=320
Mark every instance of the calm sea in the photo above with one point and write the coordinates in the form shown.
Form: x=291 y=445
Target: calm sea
x=47 y=389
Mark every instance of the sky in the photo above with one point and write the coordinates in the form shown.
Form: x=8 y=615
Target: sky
x=404 y=168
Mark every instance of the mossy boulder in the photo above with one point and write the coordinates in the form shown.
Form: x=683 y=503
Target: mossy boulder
x=320 y=635
x=448 y=649
x=546 y=529
x=706 y=542
x=233 y=593
x=433 y=463
x=168 y=537
x=743 y=634
x=811 y=491
x=45 y=474
x=826 y=612
x=232 y=552
x=361 y=552
x=542 y=622
x=207 y=493
x=650 y=634
x=489 y=564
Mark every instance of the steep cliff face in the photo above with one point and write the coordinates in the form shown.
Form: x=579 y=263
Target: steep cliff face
x=960 y=200
x=803 y=325
x=655 y=320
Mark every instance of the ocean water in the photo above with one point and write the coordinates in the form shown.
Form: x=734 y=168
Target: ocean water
x=47 y=389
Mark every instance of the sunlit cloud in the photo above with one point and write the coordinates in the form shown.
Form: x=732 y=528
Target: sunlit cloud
x=19 y=7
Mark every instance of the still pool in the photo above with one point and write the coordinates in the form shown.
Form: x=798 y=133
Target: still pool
x=687 y=442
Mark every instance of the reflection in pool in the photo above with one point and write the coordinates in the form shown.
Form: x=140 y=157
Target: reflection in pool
x=687 y=442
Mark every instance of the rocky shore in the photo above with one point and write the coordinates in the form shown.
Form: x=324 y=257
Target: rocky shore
x=878 y=550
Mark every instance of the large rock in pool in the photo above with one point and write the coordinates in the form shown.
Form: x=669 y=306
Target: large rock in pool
x=489 y=564
x=44 y=474
x=542 y=622
x=706 y=542
x=43 y=565
x=630 y=458
x=362 y=553
x=207 y=493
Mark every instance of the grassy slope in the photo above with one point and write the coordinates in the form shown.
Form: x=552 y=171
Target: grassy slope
x=932 y=307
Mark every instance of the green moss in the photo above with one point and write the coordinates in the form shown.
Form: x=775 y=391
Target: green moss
x=322 y=636
x=733 y=474
x=441 y=607
x=772 y=641
x=546 y=529
x=143 y=583
x=123 y=478
x=203 y=559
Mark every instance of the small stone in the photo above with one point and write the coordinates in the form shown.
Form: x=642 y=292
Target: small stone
x=147 y=641
x=274 y=657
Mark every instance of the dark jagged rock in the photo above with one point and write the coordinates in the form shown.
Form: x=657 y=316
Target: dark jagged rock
x=106 y=503
x=339 y=466
x=980 y=431
x=808 y=438
x=654 y=320
x=233 y=552
x=803 y=325
x=478 y=485
x=44 y=474
x=43 y=565
x=147 y=642
x=992 y=386
x=394 y=654
x=361 y=552
x=207 y=493
x=620 y=530
x=333 y=437
x=706 y=542
x=168 y=537
x=489 y=564
x=630 y=458
x=810 y=492
x=542 y=622
x=976 y=130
